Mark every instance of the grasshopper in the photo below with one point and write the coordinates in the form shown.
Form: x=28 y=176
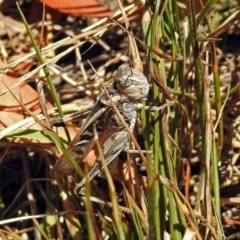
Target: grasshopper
x=128 y=88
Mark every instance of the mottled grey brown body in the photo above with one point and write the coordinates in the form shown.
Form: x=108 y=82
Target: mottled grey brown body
x=128 y=88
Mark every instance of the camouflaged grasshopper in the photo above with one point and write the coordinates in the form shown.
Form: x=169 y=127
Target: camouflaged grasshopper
x=128 y=88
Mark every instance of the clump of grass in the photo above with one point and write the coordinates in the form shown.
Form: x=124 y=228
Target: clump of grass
x=171 y=134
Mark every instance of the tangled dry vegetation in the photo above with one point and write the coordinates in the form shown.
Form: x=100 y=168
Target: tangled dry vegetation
x=68 y=44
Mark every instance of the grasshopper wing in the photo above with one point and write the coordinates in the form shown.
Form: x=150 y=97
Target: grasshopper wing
x=81 y=144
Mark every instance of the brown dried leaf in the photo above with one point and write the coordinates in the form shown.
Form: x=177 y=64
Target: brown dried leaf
x=90 y=8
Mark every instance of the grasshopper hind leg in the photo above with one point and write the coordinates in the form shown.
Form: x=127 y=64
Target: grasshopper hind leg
x=114 y=145
x=97 y=170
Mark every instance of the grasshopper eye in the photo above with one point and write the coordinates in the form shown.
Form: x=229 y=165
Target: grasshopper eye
x=124 y=81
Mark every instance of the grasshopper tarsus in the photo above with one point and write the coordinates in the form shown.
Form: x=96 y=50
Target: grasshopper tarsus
x=61 y=122
x=58 y=122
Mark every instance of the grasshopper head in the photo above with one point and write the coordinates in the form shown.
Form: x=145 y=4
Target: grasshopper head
x=131 y=83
